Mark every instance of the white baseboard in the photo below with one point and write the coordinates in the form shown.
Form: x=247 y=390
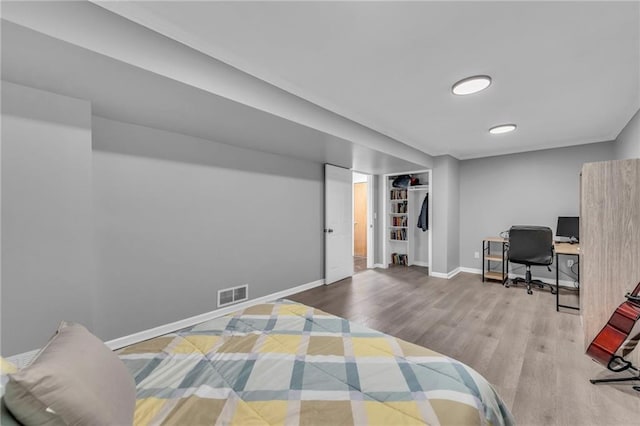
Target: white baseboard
x=454 y=273
x=416 y=262
x=446 y=276
x=471 y=270
x=437 y=274
x=21 y=360
x=191 y=321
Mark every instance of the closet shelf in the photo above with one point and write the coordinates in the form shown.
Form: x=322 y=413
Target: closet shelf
x=419 y=188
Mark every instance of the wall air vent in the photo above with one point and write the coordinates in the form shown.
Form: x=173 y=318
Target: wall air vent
x=229 y=296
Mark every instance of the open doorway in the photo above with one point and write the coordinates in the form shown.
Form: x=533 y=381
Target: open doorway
x=362 y=235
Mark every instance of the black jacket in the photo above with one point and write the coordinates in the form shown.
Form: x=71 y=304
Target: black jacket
x=423 y=219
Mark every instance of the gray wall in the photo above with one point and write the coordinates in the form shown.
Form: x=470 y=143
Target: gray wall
x=446 y=214
x=144 y=229
x=46 y=215
x=628 y=141
x=532 y=188
x=178 y=218
x=453 y=211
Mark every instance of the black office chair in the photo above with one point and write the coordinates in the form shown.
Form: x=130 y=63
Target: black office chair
x=531 y=245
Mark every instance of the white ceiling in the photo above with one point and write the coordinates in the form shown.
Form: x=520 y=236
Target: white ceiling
x=566 y=73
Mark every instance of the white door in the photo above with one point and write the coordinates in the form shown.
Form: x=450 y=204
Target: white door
x=338 y=223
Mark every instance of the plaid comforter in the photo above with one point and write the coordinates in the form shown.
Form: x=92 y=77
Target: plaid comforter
x=287 y=363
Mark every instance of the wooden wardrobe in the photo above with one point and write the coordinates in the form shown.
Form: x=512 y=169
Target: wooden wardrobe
x=609 y=241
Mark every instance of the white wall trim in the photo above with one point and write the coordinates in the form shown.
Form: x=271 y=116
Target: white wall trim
x=446 y=276
x=438 y=275
x=371 y=227
x=420 y=263
x=380 y=265
x=471 y=270
x=21 y=360
x=188 y=322
x=453 y=273
x=430 y=220
x=382 y=219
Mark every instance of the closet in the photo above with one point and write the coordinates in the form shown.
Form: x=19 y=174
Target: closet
x=404 y=242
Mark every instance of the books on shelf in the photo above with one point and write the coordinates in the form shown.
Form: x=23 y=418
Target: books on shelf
x=399 y=207
x=398 y=234
x=399 y=259
x=398 y=194
x=399 y=221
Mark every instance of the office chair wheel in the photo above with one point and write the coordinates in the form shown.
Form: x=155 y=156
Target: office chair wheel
x=530 y=291
x=506 y=284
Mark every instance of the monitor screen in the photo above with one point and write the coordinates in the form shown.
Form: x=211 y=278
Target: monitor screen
x=568 y=226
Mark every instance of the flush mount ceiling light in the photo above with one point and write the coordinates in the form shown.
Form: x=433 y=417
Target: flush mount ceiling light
x=470 y=85
x=502 y=128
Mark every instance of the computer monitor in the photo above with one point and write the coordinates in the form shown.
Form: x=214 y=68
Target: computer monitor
x=568 y=226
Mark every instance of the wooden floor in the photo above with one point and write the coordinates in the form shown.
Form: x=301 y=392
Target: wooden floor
x=359 y=264
x=533 y=355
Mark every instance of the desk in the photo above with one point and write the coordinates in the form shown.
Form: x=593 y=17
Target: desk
x=565 y=249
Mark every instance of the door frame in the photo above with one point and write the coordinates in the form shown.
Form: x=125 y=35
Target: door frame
x=371 y=231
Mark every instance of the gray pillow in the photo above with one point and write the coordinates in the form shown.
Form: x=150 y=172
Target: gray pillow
x=75 y=379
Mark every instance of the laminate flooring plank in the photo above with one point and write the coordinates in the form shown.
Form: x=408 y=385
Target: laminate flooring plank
x=538 y=400
x=536 y=403
x=505 y=368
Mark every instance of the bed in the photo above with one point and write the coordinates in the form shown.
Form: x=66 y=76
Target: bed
x=287 y=363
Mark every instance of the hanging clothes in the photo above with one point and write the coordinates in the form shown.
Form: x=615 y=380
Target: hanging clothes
x=423 y=219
